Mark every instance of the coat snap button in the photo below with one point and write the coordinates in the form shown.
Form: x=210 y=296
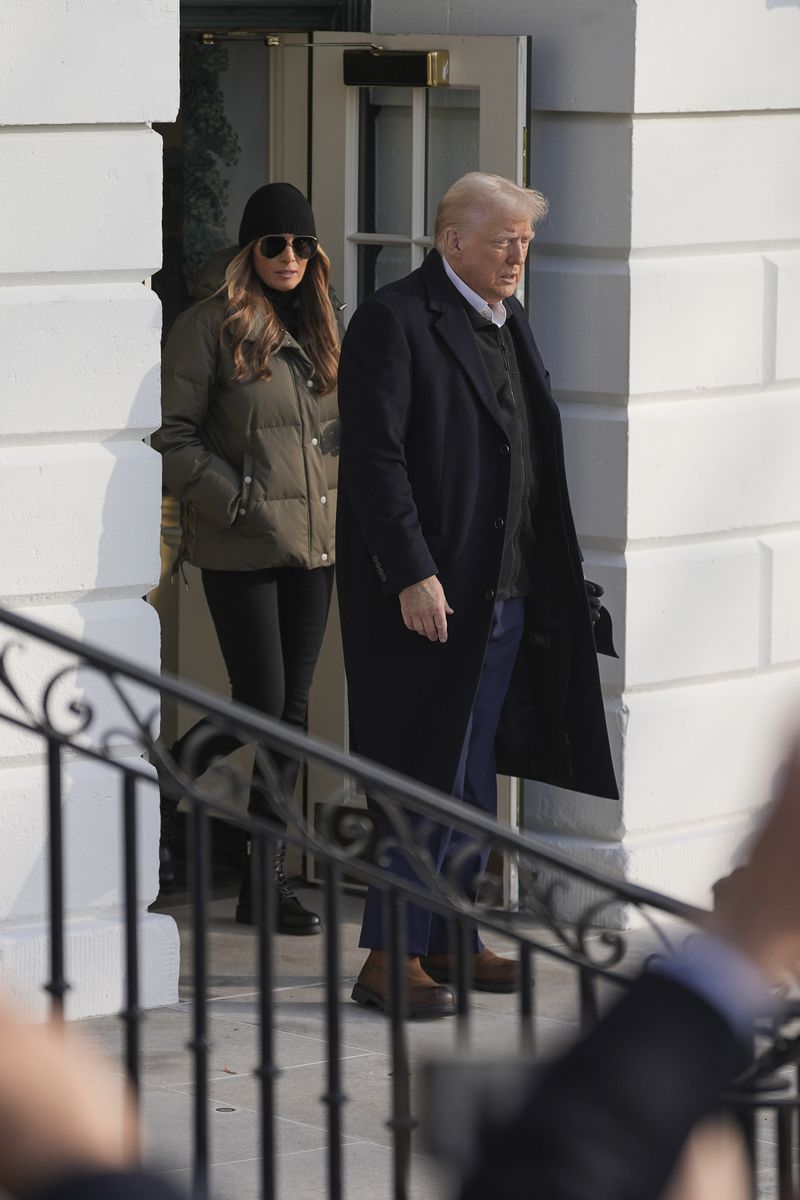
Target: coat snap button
x=242 y=511
x=323 y=499
x=309 y=383
x=489 y=594
x=505 y=448
x=248 y=479
x=315 y=441
x=499 y=522
x=324 y=557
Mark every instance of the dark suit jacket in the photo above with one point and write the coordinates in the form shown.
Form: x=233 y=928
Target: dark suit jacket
x=609 y=1119
x=423 y=490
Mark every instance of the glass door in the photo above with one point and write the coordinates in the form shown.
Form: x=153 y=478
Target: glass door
x=382 y=156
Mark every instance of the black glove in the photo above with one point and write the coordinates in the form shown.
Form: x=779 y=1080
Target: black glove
x=593 y=592
x=331 y=439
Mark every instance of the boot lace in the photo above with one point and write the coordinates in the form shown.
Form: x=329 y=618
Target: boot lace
x=282 y=886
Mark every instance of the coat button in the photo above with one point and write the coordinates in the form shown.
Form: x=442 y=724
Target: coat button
x=505 y=448
x=324 y=557
x=248 y=479
x=315 y=441
x=309 y=383
x=323 y=499
x=242 y=512
x=489 y=593
x=499 y=522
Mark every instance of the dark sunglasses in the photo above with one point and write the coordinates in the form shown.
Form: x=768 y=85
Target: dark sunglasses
x=274 y=244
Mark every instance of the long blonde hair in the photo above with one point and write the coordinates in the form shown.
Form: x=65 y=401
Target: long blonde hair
x=256 y=332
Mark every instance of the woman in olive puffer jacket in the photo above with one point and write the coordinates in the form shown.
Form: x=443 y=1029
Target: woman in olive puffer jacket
x=249 y=441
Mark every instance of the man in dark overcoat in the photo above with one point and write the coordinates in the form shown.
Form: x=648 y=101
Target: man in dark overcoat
x=460 y=585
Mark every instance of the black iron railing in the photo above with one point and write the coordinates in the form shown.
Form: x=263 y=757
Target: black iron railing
x=92 y=704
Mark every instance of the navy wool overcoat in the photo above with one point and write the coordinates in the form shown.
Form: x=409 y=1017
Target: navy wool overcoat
x=423 y=490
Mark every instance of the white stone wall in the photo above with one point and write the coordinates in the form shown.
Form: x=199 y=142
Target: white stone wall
x=667 y=305
x=80 y=232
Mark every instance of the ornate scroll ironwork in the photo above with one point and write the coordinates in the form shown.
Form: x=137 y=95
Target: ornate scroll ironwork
x=77 y=701
x=403 y=821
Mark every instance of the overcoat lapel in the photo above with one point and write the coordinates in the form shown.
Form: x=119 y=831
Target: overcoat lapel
x=453 y=327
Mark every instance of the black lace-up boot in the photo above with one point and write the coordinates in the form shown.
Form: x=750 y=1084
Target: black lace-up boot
x=292 y=918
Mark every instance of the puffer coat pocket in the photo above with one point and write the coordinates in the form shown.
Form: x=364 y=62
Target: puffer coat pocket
x=248 y=470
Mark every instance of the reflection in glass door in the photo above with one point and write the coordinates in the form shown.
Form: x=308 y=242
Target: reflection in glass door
x=412 y=144
x=381 y=157
x=452 y=143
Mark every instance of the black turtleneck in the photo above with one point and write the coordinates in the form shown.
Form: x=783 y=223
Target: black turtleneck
x=287 y=307
x=499 y=353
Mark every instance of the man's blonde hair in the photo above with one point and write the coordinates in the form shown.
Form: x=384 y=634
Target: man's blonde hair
x=476 y=195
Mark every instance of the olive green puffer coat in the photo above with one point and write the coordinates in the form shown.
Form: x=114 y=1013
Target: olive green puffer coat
x=253 y=463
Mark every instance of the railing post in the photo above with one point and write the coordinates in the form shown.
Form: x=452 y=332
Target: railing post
x=57 y=985
x=526 y=1000
x=745 y=1115
x=588 y=1000
x=785 y=1151
x=334 y=1096
x=262 y=876
x=463 y=957
x=402 y=1122
x=198 y=836
x=131 y=1014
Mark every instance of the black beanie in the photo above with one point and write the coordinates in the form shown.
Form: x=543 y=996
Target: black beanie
x=276 y=208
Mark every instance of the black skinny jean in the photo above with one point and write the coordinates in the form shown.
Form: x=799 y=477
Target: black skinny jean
x=270 y=625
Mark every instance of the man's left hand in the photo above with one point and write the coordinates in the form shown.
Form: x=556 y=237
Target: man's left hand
x=594 y=591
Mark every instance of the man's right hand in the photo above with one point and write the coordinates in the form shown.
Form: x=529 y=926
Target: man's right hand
x=425 y=609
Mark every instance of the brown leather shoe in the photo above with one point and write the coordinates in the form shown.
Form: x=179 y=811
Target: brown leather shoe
x=490 y=972
x=424 y=998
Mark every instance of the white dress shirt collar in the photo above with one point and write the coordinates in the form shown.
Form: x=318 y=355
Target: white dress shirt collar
x=496 y=313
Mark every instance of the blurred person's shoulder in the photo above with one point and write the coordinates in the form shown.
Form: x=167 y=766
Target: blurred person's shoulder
x=401 y=297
